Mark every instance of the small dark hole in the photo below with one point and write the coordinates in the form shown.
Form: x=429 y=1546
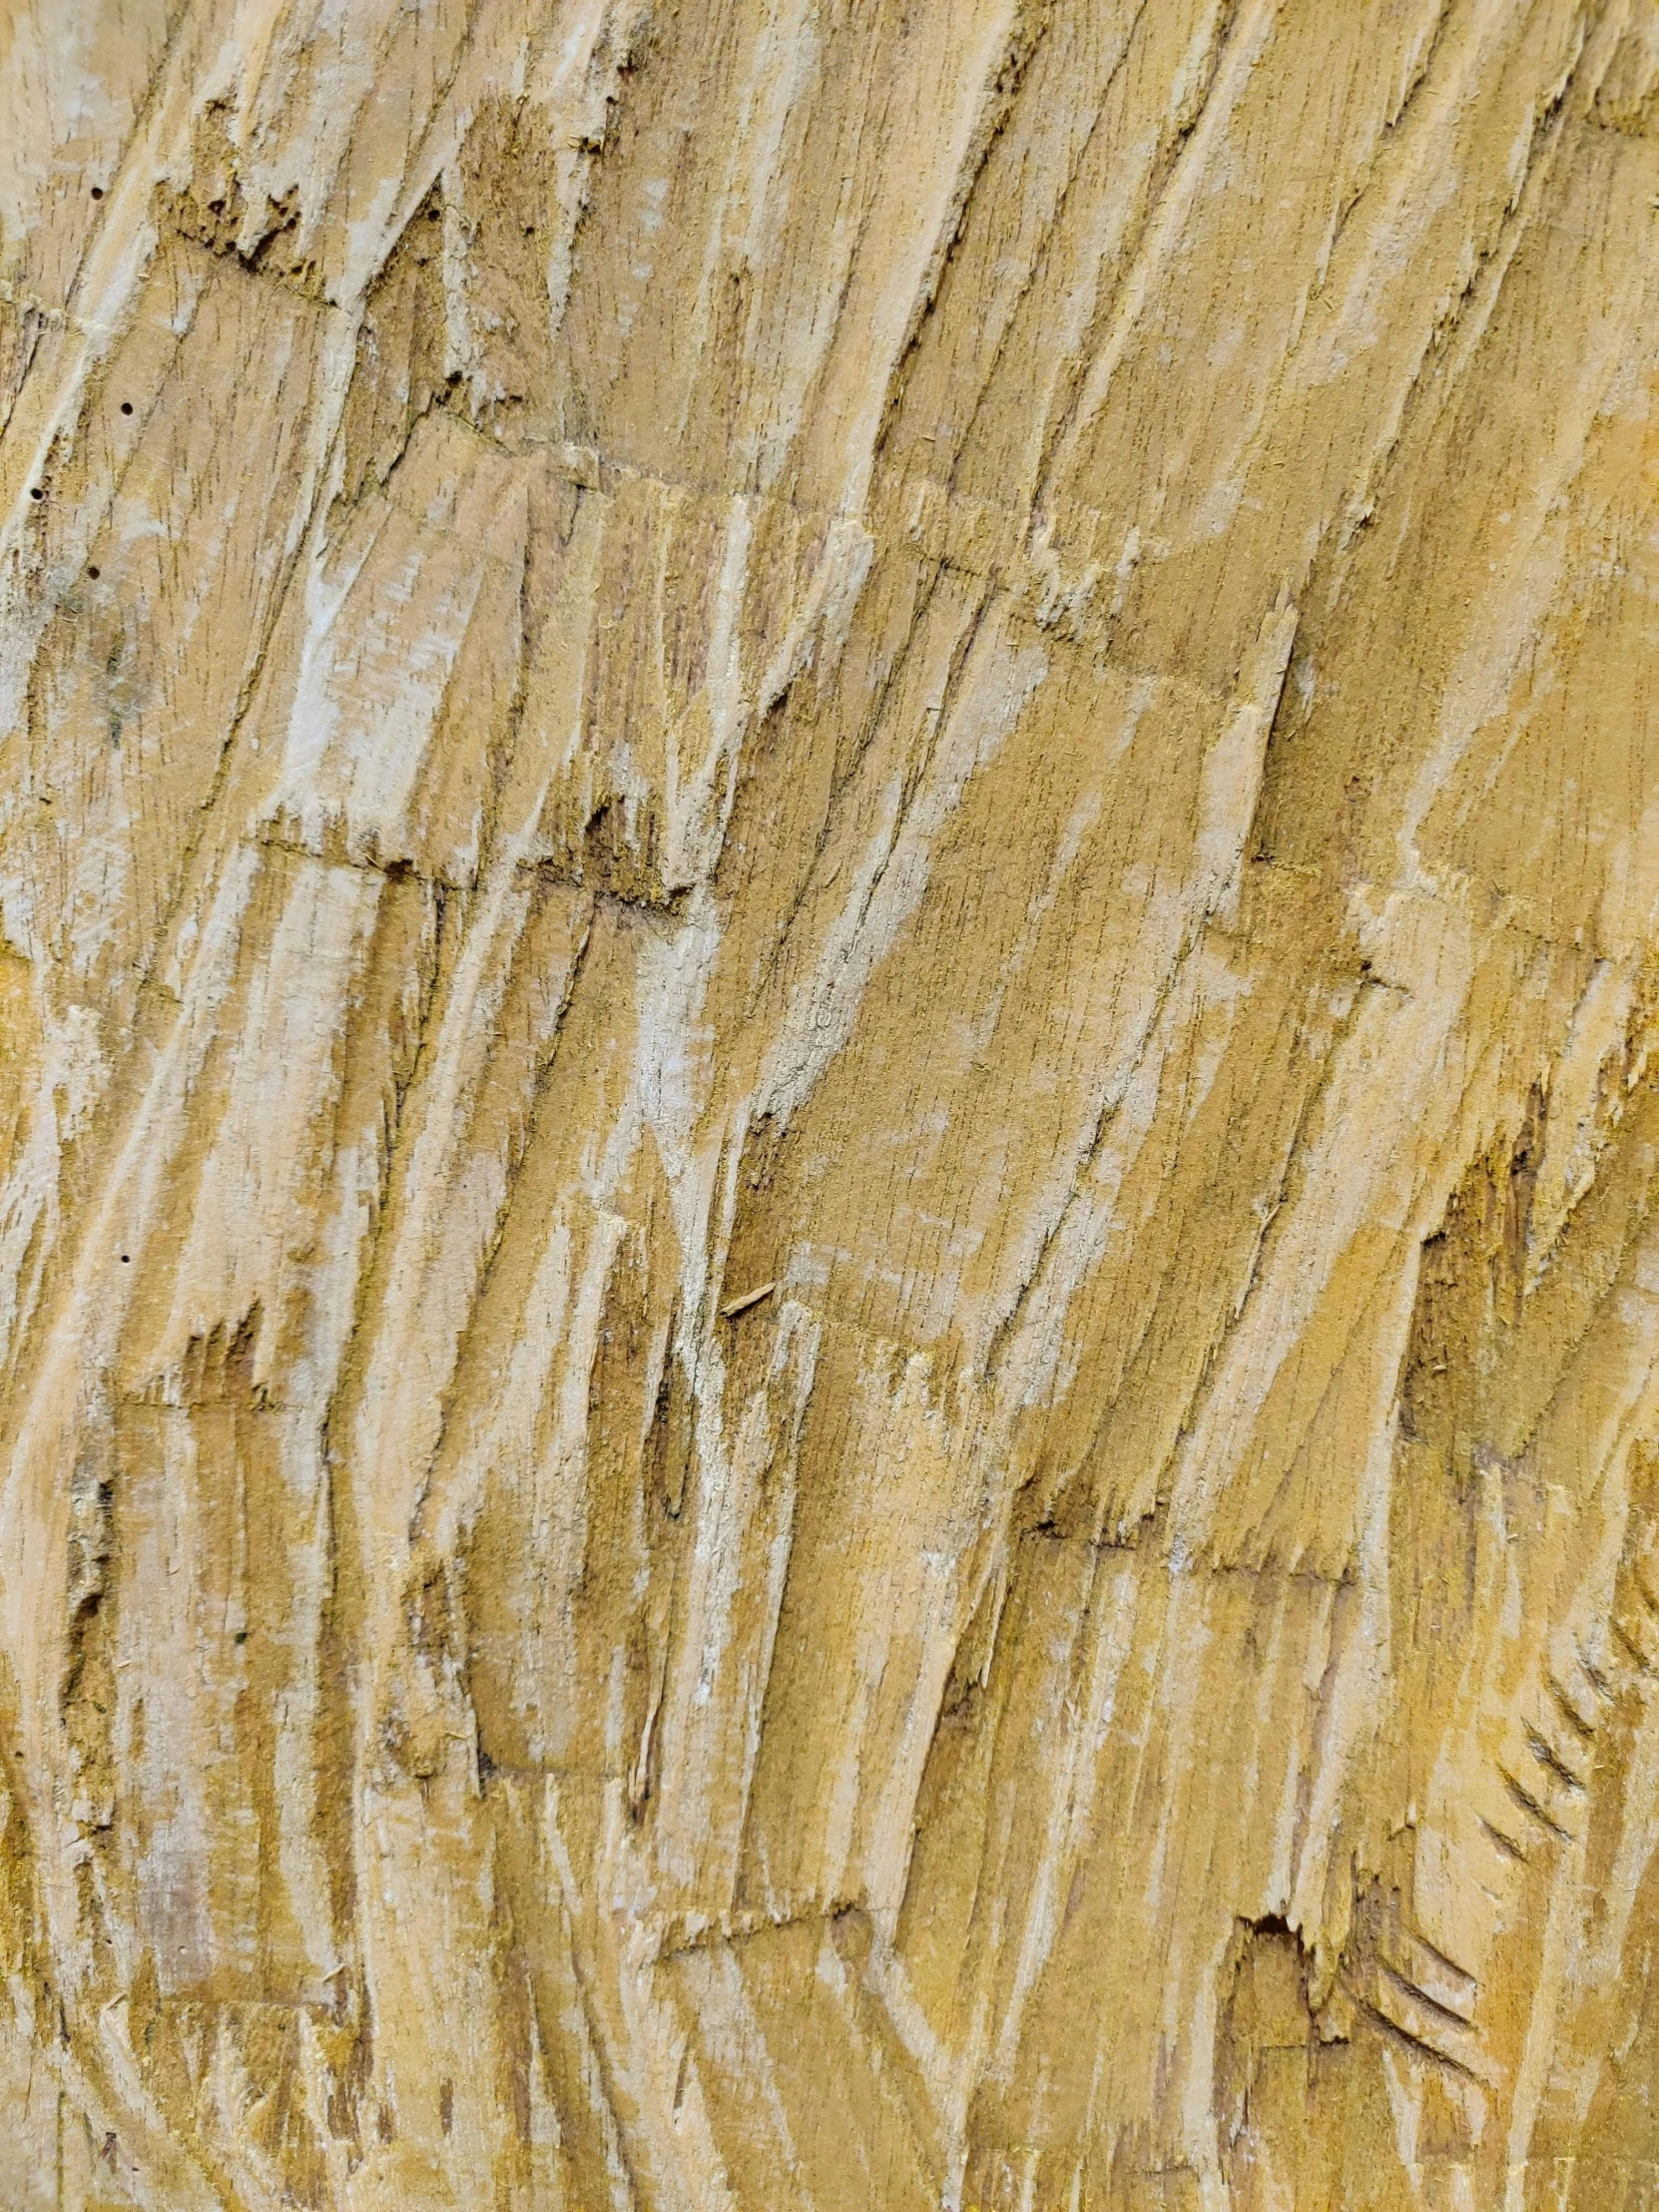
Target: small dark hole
x=98 y=192
x=242 y=1635
x=125 y=1259
x=125 y=406
x=35 y=492
x=95 y=572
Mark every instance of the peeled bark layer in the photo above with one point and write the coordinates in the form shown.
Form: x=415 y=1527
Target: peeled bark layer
x=829 y=971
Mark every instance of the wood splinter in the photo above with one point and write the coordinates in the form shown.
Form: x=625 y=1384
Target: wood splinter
x=749 y=1298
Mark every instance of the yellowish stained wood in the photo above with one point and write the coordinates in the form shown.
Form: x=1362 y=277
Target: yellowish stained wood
x=829 y=1130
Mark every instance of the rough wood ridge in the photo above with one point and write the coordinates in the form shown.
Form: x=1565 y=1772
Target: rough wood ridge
x=829 y=1252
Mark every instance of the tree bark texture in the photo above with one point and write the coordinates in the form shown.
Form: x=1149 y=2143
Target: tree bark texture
x=828 y=1132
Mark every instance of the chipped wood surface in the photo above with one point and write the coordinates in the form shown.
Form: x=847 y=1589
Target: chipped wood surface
x=969 y=680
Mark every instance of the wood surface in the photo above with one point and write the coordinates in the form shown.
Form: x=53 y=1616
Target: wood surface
x=829 y=1120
